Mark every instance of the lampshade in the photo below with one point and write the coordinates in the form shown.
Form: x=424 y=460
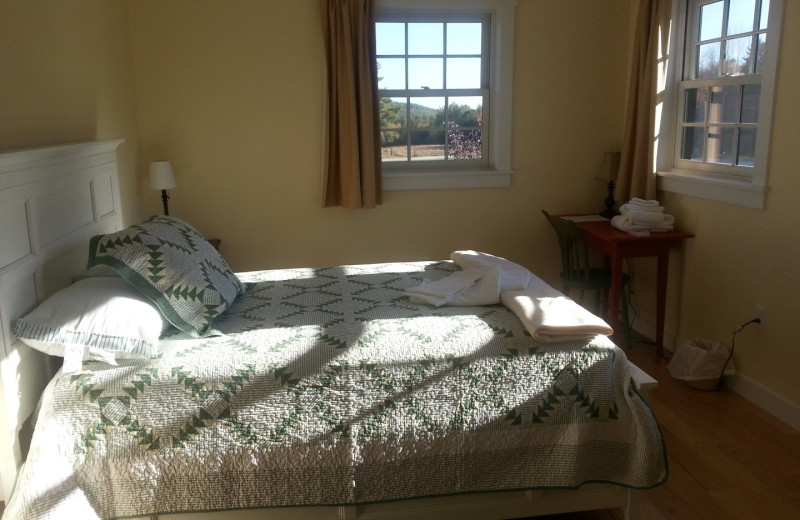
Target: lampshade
x=161 y=177
x=610 y=167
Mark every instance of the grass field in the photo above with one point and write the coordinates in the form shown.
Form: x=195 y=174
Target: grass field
x=428 y=151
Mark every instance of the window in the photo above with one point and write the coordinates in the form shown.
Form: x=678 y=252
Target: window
x=433 y=80
x=722 y=100
x=445 y=92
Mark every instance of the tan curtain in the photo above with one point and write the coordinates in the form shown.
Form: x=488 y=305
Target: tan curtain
x=637 y=169
x=352 y=156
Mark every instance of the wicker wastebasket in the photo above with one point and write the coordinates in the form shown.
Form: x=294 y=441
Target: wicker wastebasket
x=700 y=363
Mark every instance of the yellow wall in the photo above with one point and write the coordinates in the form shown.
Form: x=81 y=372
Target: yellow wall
x=231 y=91
x=743 y=257
x=66 y=76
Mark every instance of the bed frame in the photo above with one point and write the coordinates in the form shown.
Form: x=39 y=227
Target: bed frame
x=52 y=201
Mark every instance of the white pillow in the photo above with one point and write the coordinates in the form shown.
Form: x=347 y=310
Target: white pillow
x=96 y=271
x=105 y=314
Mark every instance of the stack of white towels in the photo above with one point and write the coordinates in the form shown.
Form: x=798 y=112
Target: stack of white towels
x=640 y=217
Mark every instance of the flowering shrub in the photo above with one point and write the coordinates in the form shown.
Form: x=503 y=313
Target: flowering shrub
x=463 y=144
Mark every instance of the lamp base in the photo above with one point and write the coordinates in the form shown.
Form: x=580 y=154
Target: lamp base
x=609 y=212
x=165 y=198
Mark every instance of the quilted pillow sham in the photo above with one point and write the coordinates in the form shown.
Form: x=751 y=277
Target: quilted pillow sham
x=174 y=266
x=100 y=313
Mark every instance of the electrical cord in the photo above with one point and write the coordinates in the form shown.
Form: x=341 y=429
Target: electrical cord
x=634 y=311
x=733 y=345
x=632 y=305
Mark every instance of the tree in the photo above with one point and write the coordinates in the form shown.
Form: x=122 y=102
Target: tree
x=389 y=118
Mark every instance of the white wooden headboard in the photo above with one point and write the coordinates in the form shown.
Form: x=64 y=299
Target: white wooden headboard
x=52 y=201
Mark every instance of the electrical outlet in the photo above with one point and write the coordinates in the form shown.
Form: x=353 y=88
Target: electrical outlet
x=761 y=314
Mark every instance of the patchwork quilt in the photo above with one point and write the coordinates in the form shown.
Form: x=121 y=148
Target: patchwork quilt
x=327 y=386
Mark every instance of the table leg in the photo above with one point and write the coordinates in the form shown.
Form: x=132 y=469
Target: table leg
x=661 y=300
x=614 y=297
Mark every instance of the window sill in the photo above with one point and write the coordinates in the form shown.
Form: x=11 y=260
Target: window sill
x=731 y=191
x=442 y=180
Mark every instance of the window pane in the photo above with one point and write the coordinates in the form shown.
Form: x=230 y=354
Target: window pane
x=465 y=111
x=720 y=145
x=427 y=145
x=724 y=105
x=427 y=112
x=393 y=146
x=718 y=87
x=425 y=64
x=741 y=15
x=463 y=73
x=738 y=56
x=711 y=21
x=464 y=144
x=692 y=146
x=751 y=97
x=392 y=73
x=747 y=147
x=762 y=25
x=425 y=38
x=425 y=73
x=390 y=38
x=392 y=112
x=707 y=61
x=695 y=105
x=421 y=102
x=762 y=46
x=463 y=38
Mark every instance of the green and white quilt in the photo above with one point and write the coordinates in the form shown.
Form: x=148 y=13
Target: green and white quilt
x=327 y=386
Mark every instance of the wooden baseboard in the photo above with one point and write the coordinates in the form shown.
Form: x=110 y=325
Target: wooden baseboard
x=765 y=399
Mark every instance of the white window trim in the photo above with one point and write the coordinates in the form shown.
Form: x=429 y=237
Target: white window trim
x=705 y=184
x=501 y=76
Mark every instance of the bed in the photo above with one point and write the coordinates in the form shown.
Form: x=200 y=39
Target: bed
x=295 y=393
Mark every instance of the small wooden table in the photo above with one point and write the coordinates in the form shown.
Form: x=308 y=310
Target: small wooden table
x=617 y=245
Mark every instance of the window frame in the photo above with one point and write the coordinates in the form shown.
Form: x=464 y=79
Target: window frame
x=496 y=170
x=740 y=185
x=481 y=91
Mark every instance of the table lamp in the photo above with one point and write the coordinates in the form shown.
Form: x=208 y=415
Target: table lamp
x=161 y=178
x=608 y=173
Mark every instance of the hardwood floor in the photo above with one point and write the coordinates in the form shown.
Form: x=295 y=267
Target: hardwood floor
x=728 y=459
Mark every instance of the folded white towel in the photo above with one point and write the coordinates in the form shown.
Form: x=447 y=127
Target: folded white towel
x=623 y=224
x=477 y=286
x=665 y=220
x=482 y=278
x=643 y=202
x=636 y=216
x=630 y=206
x=513 y=277
x=551 y=317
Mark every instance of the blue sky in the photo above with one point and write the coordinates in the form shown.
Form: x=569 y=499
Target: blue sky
x=428 y=59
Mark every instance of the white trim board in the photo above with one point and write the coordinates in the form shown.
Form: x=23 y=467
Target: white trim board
x=765 y=399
